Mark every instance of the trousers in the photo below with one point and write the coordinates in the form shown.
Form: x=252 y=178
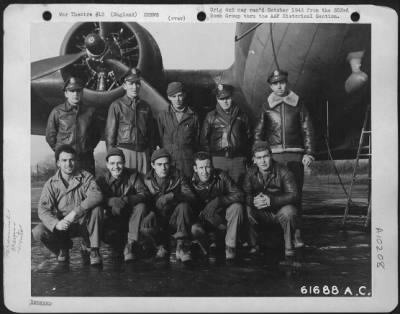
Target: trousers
x=137 y=160
x=126 y=226
x=88 y=227
x=176 y=219
x=234 y=217
x=259 y=219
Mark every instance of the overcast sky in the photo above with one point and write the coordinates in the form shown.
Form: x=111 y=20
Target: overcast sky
x=183 y=46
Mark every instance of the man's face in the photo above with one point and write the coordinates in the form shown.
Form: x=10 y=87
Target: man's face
x=66 y=162
x=203 y=168
x=161 y=166
x=279 y=88
x=177 y=100
x=73 y=96
x=262 y=160
x=132 y=88
x=225 y=103
x=115 y=165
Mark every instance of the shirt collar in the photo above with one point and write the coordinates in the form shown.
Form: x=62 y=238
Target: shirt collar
x=290 y=99
x=128 y=101
x=69 y=107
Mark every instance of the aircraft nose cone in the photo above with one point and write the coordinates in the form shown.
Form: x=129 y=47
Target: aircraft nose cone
x=95 y=44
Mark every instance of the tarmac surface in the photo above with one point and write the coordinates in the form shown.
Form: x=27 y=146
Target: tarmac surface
x=336 y=260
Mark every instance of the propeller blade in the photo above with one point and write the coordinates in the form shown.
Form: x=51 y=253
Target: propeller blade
x=147 y=92
x=105 y=29
x=118 y=67
x=47 y=66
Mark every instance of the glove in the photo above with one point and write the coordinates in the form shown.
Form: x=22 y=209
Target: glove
x=149 y=221
x=211 y=208
x=163 y=200
x=116 y=204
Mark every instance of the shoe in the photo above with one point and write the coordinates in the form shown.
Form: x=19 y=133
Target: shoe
x=254 y=250
x=161 y=252
x=230 y=253
x=289 y=252
x=183 y=253
x=298 y=242
x=212 y=253
x=95 y=257
x=85 y=254
x=129 y=255
x=63 y=256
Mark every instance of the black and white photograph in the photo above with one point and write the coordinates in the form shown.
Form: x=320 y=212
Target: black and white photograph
x=206 y=162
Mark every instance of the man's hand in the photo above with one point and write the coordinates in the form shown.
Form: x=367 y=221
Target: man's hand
x=210 y=209
x=70 y=217
x=63 y=225
x=307 y=160
x=149 y=221
x=262 y=201
x=163 y=200
x=116 y=204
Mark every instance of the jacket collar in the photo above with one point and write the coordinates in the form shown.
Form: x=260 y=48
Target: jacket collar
x=213 y=179
x=234 y=112
x=124 y=175
x=151 y=175
x=186 y=112
x=271 y=172
x=291 y=99
x=68 y=107
x=76 y=179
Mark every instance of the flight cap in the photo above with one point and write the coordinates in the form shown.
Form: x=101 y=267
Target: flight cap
x=160 y=153
x=174 y=87
x=115 y=152
x=73 y=83
x=277 y=76
x=224 y=91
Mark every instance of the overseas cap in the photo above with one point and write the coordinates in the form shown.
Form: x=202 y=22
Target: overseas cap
x=224 y=91
x=261 y=146
x=73 y=83
x=115 y=152
x=174 y=87
x=277 y=76
x=160 y=153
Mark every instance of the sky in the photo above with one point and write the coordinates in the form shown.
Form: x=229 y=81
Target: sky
x=183 y=46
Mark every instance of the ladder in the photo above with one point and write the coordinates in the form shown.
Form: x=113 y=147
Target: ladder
x=364 y=133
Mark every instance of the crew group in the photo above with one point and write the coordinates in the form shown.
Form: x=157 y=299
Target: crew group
x=198 y=184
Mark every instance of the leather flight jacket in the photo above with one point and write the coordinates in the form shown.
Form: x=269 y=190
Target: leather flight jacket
x=75 y=126
x=174 y=183
x=130 y=125
x=220 y=185
x=279 y=185
x=226 y=137
x=129 y=186
x=286 y=127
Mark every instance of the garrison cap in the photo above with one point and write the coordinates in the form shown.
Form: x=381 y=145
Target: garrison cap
x=174 y=87
x=160 y=153
x=73 y=83
x=115 y=152
x=224 y=91
x=132 y=75
x=277 y=76
x=260 y=146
